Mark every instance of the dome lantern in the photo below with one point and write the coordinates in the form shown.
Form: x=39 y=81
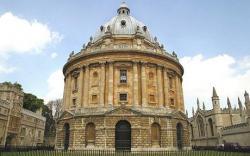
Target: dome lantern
x=123 y=9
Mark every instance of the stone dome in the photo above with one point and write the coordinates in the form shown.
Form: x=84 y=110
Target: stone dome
x=123 y=25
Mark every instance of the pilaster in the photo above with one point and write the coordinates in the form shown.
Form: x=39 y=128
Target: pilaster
x=144 y=84
x=111 y=83
x=160 y=88
x=86 y=86
x=166 y=92
x=102 y=84
x=80 y=89
x=135 y=84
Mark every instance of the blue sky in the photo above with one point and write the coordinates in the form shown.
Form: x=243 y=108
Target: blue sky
x=207 y=34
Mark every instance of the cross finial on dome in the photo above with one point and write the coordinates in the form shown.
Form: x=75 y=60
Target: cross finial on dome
x=123 y=9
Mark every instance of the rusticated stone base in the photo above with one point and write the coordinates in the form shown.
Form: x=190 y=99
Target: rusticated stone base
x=105 y=131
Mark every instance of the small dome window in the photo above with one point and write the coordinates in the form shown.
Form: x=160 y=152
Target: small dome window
x=123 y=23
x=101 y=28
x=144 y=28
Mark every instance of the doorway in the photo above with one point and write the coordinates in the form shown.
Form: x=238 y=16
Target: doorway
x=123 y=135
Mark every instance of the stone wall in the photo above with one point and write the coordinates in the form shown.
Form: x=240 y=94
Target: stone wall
x=105 y=132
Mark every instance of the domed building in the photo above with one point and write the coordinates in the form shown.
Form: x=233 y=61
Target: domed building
x=123 y=91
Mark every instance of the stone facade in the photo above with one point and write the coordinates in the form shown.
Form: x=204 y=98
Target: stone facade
x=219 y=126
x=18 y=126
x=123 y=75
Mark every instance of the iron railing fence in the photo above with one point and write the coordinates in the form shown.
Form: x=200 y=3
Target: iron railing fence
x=120 y=153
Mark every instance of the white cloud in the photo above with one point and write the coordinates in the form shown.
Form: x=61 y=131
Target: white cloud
x=19 y=35
x=55 y=86
x=230 y=77
x=53 y=55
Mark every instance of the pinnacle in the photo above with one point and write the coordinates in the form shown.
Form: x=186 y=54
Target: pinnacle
x=214 y=92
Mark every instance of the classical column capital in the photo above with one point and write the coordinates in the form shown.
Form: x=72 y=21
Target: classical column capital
x=135 y=61
x=86 y=65
x=143 y=62
x=102 y=62
x=159 y=66
x=110 y=61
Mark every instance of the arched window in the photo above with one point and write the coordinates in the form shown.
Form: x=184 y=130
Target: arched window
x=90 y=134
x=155 y=135
x=201 y=128
x=66 y=136
x=210 y=122
x=179 y=135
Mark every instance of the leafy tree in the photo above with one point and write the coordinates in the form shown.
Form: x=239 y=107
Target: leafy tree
x=50 y=127
x=16 y=84
x=31 y=102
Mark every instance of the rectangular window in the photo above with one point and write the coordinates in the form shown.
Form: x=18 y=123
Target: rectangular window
x=23 y=131
x=172 y=102
x=39 y=134
x=123 y=76
x=123 y=97
x=94 y=98
x=170 y=82
x=152 y=98
x=74 y=102
x=75 y=83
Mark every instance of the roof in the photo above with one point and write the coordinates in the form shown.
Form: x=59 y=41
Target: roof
x=123 y=24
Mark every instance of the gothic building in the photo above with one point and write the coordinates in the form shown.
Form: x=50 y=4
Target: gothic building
x=218 y=126
x=18 y=126
x=123 y=91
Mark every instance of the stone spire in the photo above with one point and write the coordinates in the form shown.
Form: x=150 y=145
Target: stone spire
x=230 y=110
x=216 y=101
x=241 y=110
x=214 y=92
x=229 y=104
x=187 y=113
x=247 y=104
x=204 y=107
x=246 y=95
x=193 y=111
x=217 y=110
x=198 y=103
x=240 y=104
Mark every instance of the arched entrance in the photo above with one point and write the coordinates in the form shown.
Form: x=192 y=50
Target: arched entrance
x=179 y=135
x=123 y=135
x=66 y=136
x=8 y=142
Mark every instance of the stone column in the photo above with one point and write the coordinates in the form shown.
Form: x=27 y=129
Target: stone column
x=135 y=84
x=144 y=84
x=102 y=84
x=111 y=83
x=159 y=86
x=181 y=95
x=65 y=92
x=80 y=89
x=69 y=91
x=177 y=92
x=166 y=97
x=86 y=86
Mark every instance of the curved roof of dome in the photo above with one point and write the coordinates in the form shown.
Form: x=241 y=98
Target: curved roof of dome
x=123 y=25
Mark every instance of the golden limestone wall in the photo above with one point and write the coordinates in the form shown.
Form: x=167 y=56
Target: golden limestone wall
x=18 y=126
x=105 y=132
x=154 y=105
x=151 y=82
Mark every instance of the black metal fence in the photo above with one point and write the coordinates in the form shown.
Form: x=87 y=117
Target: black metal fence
x=122 y=153
x=49 y=151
